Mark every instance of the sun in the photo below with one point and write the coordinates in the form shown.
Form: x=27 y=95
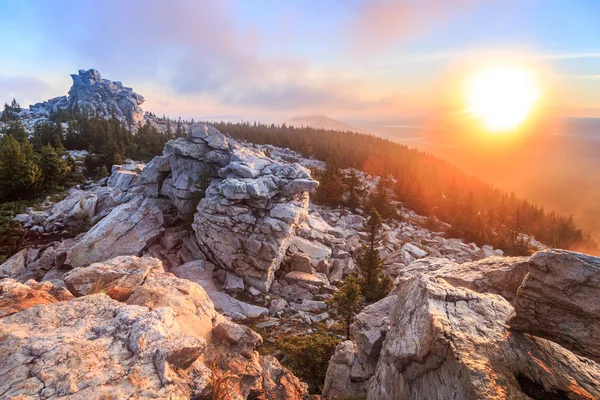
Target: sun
x=502 y=98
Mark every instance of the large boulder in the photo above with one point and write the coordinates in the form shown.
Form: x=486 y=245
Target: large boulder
x=159 y=345
x=248 y=218
x=95 y=347
x=339 y=382
x=447 y=342
x=354 y=361
x=116 y=277
x=499 y=275
x=127 y=230
x=560 y=300
x=15 y=266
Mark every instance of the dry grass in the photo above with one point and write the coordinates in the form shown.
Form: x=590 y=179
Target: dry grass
x=220 y=385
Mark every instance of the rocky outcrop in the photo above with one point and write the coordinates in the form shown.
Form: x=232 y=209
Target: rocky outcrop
x=16 y=297
x=80 y=209
x=124 y=350
x=499 y=275
x=428 y=335
x=448 y=342
x=91 y=93
x=116 y=277
x=249 y=211
x=560 y=300
x=127 y=230
x=166 y=342
x=97 y=96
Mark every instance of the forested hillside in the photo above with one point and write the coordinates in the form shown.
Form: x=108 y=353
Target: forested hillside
x=477 y=211
x=35 y=165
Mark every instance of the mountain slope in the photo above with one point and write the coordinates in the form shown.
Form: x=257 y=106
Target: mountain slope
x=322 y=122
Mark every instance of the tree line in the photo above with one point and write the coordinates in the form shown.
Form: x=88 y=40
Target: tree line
x=35 y=164
x=476 y=211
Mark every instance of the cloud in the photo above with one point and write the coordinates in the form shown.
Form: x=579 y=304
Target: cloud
x=193 y=48
x=379 y=23
x=25 y=89
x=581 y=77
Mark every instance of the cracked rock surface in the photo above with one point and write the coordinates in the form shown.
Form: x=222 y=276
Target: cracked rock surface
x=448 y=342
x=125 y=231
x=560 y=300
x=93 y=347
x=445 y=332
x=157 y=345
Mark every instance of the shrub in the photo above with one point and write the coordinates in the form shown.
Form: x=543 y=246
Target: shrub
x=308 y=356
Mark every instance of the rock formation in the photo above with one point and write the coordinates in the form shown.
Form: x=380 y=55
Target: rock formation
x=447 y=342
x=127 y=230
x=444 y=333
x=246 y=220
x=97 y=96
x=560 y=300
x=161 y=344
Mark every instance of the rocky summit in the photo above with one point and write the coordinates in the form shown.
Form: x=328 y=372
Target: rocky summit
x=93 y=95
x=173 y=278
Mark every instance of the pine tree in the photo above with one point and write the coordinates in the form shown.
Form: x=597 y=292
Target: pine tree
x=101 y=172
x=203 y=182
x=47 y=133
x=19 y=172
x=54 y=169
x=331 y=186
x=179 y=131
x=355 y=190
x=16 y=130
x=345 y=303
x=381 y=201
x=375 y=284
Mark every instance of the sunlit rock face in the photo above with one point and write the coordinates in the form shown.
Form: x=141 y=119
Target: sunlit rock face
x=446 y=332
x=134 y=332
x=560 y=300
x=451 y=342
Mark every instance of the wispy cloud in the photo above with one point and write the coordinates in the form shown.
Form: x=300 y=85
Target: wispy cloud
x=379 y=23
x=580 y=77
x=26 y=89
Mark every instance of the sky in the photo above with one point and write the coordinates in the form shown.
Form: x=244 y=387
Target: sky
x=275 y=59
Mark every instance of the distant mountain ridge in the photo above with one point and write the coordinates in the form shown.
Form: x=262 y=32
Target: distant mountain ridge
x=322 y=122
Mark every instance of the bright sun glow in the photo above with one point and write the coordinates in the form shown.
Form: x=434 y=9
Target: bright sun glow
x=502 y=98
